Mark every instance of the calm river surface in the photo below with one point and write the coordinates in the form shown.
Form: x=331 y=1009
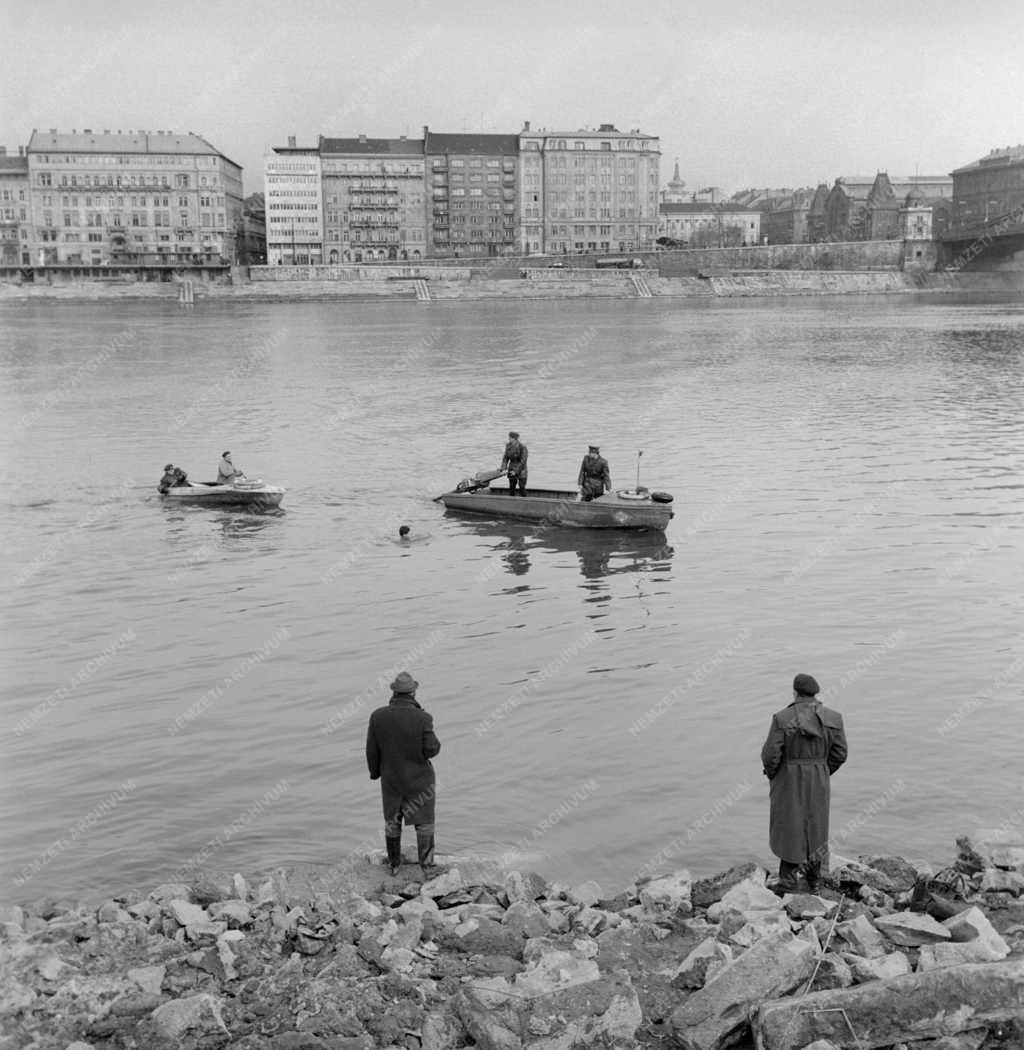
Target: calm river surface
x=849 y=501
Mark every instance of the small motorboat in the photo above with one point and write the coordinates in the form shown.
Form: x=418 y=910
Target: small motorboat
x=242 y=492
x=626 y=509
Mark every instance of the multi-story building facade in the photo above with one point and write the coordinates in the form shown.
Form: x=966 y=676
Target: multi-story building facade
x=135 y=198
x=988 y=191
x=252 y=248
x=867 y=209
x=14 y=209
x=816 y=222
x=473 y=192
x=294 y=199
x=588 y=191
x=374 y=199
x=699 y=225
x=784 y=219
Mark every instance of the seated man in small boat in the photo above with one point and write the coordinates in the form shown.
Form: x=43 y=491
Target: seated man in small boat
x=514 y=461
x=180 y=478
x=594 y=479
x=226 y=472
x=169 y=480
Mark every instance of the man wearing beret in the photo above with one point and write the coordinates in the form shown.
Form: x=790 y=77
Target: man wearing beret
x=806 y=744
x=400 y=743
x=514 y=461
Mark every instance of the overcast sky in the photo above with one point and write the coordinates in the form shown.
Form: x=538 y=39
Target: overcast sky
x=750 y=93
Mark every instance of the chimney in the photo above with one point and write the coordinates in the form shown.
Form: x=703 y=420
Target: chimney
x=426 y=130
x=526 y=125
x=21 y=151
x=86 y=131
x=362 y=137
x=291 y=141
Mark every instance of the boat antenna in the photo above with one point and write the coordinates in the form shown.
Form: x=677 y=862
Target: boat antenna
x=638 y=455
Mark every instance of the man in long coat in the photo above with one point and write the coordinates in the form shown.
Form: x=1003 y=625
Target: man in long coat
x=400 y=743
x=806 y=744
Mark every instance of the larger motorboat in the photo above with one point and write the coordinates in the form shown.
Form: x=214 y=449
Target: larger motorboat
x=625 y=509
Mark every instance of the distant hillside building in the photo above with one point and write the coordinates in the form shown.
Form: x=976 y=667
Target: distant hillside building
x=473 y=191
x=140 y=198
x=14 y=209
x=784 y=219
x=988 y=190
x=699 y=225
x=588 y=191
x=863 y=209
x=294 y=198
x=373 y=191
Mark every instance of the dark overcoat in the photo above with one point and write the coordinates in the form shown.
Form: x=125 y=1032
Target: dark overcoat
x=400 y=743
x=806 y=744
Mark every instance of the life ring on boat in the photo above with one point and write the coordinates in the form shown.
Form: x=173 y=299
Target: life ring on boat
x=661 y=497
x=631 y=494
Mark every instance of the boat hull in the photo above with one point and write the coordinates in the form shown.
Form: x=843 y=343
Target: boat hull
x=266 y=496
x=610 y=511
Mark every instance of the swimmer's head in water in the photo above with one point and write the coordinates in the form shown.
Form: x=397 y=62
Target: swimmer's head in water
x=404 y=530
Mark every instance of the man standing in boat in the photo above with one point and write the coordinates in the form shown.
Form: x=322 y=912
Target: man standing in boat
x=400 y=743
x=594 y=479
x=226 y=472
x=514 y=461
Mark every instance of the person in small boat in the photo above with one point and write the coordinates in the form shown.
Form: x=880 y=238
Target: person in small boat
x=180 y=478
x=169 y=480
x=514 y=461
x=594 y=479
x=400 y=742
x=226 y=472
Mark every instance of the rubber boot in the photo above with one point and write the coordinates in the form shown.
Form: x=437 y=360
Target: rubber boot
x=425 y=849
x=394 y=848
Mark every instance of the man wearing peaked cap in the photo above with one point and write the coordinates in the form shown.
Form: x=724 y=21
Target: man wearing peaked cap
x=806 y=744
x=514 y=462
x=594 y=478
x=400 y=743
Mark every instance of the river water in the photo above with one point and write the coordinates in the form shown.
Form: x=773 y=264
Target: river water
x=189 y=686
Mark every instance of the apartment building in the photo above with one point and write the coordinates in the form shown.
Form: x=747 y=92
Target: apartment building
x=147 y=198
x=472 y=194
x=293 y=193
x=374 y=199
x=14 y=205
x=588 y=191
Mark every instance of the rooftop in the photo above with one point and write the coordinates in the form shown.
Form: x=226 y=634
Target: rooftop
x=362 y=144
x=491 y=145
x=88 y=141
x=1010 y=156
x=13 y=165
x=704 y=207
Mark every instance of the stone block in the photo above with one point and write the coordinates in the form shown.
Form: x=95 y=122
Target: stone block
x=939 y=956
x=901 y=873
x=198 y=1014
x=973 y=925
x=524 y=886
x=745 y=897
x=911 y=929
x=719 y=1013
x=998 y=881
x=236 y=913
x=808 y=906
x=709 y=958
x=586 y=894
x=833 y=972
x=526 y=919
x=862 y=937
x=938 y=1003
x=880 y=968
x=707 y=891
x=187 y=914
x=148 y=978
x=449 y=881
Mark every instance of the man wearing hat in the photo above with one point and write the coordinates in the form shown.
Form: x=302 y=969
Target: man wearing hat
x=594 y=479
x=806 y=744
x=514 y=461
x=400 y=743
x=169 y=480
x=226 y=472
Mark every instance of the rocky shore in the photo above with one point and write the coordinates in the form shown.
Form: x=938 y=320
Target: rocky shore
x=353 y=959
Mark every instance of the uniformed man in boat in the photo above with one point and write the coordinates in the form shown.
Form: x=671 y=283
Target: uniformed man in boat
x=514 y=461
x=594 y=479
x=226 y=471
